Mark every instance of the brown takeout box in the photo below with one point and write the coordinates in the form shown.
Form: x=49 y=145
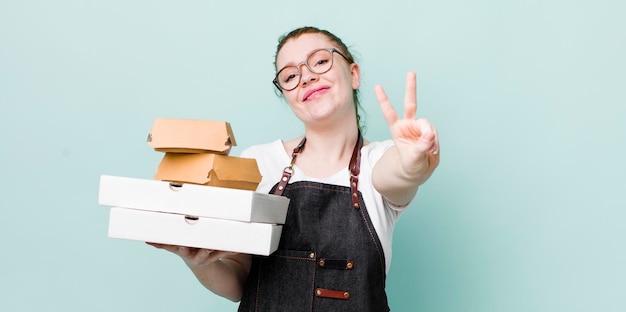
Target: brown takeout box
x=210 y=169
x=191 y=136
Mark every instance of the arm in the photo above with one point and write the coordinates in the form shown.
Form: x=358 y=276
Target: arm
x=222 y=272
x=415 y=154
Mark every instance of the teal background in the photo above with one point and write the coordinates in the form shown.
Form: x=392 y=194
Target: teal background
x=525 y=212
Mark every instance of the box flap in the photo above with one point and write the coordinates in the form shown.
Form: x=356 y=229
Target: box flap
x=191 y=136
x=246 y=169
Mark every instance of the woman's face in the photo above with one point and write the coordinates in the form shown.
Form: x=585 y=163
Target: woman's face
x=319 y=97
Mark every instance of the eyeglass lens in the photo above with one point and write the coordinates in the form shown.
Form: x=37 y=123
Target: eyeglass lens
x=318 y=62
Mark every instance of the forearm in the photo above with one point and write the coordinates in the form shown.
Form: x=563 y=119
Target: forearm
x=398 y=183
x=226 y=276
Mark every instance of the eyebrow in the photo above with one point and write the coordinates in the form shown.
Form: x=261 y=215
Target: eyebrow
x=306 y=56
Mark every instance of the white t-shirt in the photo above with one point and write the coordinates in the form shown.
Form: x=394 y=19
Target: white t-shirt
x=272 y=159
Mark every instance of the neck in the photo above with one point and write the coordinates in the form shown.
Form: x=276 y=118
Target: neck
x=331 y=142
x=327 y=152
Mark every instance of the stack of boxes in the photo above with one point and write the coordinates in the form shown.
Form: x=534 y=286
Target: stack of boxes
x=196 y=151
x=199 y=197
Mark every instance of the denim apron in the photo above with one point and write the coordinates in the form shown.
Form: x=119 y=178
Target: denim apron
x=329 y=257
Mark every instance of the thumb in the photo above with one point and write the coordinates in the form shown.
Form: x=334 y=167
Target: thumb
x=425 y=142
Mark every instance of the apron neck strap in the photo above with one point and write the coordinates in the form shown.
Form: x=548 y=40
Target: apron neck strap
x=354 y=167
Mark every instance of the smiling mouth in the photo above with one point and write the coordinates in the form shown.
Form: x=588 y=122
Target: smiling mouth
x=312 y=93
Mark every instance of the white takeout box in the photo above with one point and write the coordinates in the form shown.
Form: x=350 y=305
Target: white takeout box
x=200 y=232
x=193 y=200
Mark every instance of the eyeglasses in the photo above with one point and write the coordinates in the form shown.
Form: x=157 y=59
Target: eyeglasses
x=318 y=61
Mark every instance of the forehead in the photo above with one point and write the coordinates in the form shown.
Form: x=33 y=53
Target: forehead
x=295 y=50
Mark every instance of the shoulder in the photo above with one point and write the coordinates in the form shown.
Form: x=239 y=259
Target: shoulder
x=260 y=150
x=373 y=151
x=271 y=159
x=378 y=146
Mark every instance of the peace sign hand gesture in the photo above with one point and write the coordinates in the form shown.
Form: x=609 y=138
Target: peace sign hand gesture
x=416 y=144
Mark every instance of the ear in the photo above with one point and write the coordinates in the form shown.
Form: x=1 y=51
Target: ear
x=355 y=70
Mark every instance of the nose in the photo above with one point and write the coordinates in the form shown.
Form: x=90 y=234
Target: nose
x=306 y=75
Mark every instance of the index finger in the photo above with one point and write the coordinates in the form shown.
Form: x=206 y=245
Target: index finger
x=388 y=111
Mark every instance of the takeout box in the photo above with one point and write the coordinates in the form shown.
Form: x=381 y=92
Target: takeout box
x=210 y=169
x=191 y=136
x=191 y=231
x=191 y=199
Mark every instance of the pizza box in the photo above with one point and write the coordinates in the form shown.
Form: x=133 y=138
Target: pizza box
x=191 y=199
x=192 y=231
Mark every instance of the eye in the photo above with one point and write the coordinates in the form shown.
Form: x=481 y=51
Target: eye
x=321 y=61
x=288 y=74
x=289 y=78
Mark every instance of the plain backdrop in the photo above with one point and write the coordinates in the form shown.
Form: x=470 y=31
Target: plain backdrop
x=525 y=212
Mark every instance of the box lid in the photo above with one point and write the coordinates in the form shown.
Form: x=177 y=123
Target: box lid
x=210 y=169
x=191 y=136
x=192 y=199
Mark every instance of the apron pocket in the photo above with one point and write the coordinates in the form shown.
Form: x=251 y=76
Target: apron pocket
x=286 y=281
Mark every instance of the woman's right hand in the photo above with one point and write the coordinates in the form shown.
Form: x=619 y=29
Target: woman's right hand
x=193 y=256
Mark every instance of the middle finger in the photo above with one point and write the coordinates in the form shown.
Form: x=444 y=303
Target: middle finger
x=410 y=97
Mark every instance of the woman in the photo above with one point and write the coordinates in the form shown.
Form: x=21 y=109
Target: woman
x=335 y=247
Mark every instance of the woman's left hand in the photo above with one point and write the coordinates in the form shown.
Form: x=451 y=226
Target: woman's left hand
x=415 y=139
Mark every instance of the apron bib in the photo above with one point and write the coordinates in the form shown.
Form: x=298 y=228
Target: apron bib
x=329 y=257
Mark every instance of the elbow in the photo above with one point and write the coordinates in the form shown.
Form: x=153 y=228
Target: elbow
x=234 y=296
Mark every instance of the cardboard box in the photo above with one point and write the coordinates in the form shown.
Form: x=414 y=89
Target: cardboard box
x=210 y=169
x=190 y=199
x=191 y=136
x=176 y=229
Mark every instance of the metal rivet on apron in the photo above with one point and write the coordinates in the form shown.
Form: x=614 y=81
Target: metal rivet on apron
x=284 y=178
x=356 y=205
x=280 y=187
x=322 y=262
x=346 y=295
x=349 y=265
x=312 y=255
x=318 y=292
